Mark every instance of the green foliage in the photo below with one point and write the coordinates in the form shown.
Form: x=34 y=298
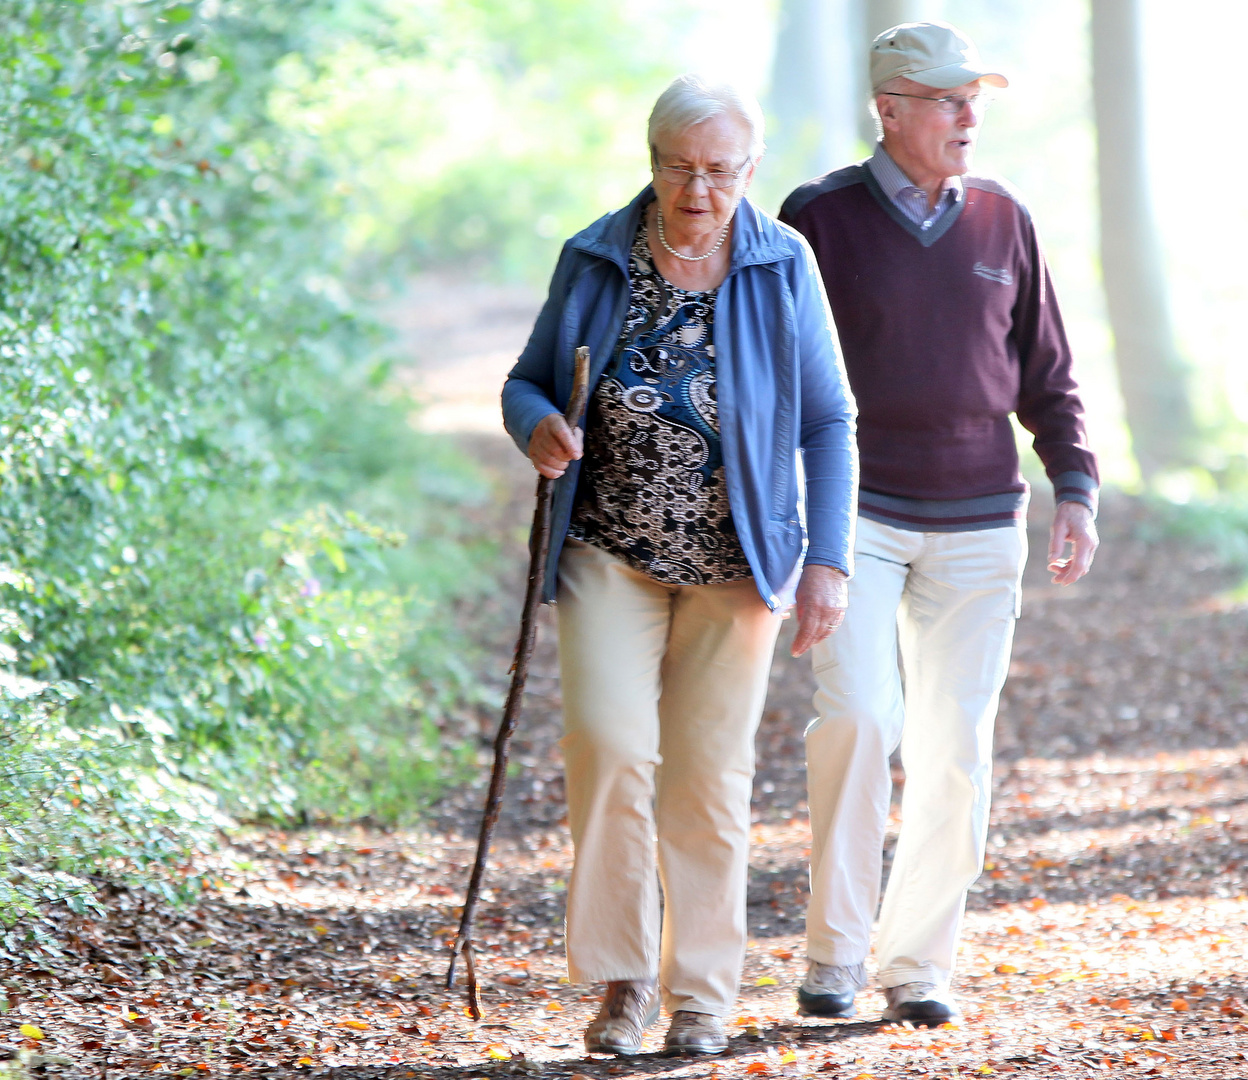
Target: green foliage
x=196 y=435
x=483 y=130
x=1220 y=524
x=82 y=802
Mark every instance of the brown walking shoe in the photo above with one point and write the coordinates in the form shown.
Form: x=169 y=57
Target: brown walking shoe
x=695 y=1033
x=628 y=1008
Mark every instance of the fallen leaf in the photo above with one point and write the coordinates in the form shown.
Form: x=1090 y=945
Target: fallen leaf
x=110 y=976
x=767 y=980
x=32 y=1031
x=356 y=1025
x=138 y=1023
x=1180 y=1005
x=758 y=1068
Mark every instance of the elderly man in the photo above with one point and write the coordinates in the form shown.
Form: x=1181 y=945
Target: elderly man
x=949 y=324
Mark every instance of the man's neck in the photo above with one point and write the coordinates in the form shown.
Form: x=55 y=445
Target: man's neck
x=932 y=187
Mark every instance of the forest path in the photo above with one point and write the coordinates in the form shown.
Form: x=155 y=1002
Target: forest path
x=1107 y=936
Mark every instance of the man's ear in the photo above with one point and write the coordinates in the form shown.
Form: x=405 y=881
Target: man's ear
x=886 y=107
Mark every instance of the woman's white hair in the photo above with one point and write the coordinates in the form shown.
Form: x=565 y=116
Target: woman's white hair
x=691 y=99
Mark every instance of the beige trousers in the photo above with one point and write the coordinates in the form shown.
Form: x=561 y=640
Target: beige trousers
x=950 y=601
x=663 y=687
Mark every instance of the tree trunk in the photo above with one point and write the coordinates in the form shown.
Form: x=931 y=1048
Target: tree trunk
x=877 y=16
x=1151 y=373
x=812 y=116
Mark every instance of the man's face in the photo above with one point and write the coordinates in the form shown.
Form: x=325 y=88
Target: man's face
x=928 y=139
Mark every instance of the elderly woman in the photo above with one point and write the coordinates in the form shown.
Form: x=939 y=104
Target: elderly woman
x=719 y=434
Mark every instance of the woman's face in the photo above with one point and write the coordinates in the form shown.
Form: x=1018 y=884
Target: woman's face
x=694 y=210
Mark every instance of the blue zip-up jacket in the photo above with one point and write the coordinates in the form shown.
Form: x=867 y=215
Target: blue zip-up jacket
x=785 y=410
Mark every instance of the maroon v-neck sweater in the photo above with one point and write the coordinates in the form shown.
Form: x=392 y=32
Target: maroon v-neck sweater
x=946 y=332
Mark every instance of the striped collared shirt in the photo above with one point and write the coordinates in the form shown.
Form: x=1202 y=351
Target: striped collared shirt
x=911 y=200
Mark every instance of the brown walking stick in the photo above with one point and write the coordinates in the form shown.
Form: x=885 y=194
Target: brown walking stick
x=539 y=550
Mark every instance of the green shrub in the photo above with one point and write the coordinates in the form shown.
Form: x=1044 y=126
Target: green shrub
x=206 y=603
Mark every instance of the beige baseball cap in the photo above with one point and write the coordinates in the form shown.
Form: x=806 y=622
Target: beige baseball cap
x=932 y=53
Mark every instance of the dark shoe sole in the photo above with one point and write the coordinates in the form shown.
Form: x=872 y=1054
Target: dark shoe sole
x=830 y=1005
x=921 y=1014
x=618 y=1051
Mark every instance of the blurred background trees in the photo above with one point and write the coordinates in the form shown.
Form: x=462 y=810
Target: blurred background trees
x=1152 y=374
x=477 y=136
x=227 y=559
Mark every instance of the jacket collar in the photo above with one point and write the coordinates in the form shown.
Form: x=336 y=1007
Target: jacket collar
x=756 y=239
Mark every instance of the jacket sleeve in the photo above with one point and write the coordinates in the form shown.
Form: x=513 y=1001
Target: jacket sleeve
x=1048 y=401
x=829 y=450
x=529 y=392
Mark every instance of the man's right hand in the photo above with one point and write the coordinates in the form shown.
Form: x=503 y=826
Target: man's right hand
x=553 y=444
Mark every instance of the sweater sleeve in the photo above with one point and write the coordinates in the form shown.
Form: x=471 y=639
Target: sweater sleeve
x=1049 y=406
x=829 y=450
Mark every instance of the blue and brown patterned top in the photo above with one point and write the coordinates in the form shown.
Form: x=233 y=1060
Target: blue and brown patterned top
x=652 y=490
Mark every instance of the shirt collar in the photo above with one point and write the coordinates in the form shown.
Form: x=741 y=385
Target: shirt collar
x=888 y=174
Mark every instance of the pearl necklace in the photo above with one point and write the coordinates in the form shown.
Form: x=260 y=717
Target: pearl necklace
x=692 y=258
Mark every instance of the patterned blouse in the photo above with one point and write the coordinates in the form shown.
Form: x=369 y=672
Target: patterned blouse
x=652 y=490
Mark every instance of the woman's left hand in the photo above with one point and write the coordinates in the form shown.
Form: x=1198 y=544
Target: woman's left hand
x=822 y=597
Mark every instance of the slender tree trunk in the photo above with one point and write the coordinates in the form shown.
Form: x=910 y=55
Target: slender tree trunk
x=813 y=122
x=1151 y=372
x=876 y=17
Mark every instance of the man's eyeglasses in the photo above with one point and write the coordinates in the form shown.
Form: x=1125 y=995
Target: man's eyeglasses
x=716 y=178
x=950 y=103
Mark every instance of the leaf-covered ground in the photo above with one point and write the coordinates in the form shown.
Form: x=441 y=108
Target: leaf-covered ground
x=1107 y=937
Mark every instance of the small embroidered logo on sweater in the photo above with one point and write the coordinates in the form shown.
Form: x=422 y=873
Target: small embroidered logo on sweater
x=1001 y=277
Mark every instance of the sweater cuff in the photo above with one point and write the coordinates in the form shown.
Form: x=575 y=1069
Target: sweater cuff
x=845 y=566
x=1077 y=487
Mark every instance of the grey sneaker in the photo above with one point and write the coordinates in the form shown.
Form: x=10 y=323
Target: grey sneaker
x=694 y=1033
x=921 y=1003
x=628 y=1008
x=829 y=989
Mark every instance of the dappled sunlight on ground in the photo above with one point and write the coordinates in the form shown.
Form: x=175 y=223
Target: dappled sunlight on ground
x=1106 y=936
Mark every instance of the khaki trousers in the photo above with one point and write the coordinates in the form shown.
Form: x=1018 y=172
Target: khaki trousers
x=663 y=687
x=950 y=600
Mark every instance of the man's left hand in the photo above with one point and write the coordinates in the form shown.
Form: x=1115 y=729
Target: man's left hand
x=822 y=597
x=1073 y=525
